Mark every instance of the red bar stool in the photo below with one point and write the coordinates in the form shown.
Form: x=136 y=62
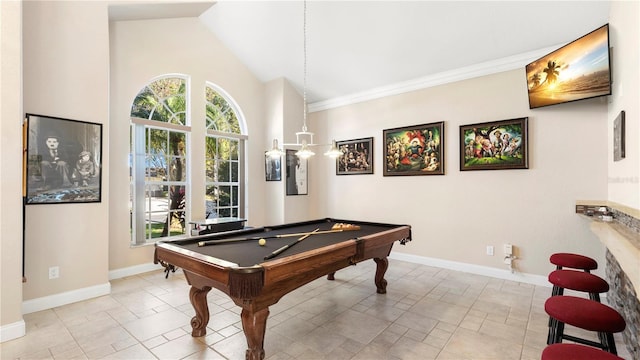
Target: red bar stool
x=584 y=314
x=578 y=281
x=573 y=261
x=575 y=352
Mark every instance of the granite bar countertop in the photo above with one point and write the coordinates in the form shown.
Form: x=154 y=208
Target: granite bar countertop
x=622 y=241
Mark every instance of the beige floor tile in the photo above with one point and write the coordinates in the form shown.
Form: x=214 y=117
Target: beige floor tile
x=357 y=326
x=416 y=321
x=439 y=310
x=206 y=354
x=137 y=352
x=408 y=349
x=470 y=344
x=322 y=340
x=503 y=331
x=37 y=341
x=178 y=348
x=154 y=325
x=472 y=323
x=530 y=353
x=100 y=352
x=233 y=347
x=427 y=313
x=373 y=351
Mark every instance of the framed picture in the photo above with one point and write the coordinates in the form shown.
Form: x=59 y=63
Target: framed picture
x=618 y=137
x=494 y=145
x=296 y=174
x=272 y=169
x=357 y=157
x=414 y=150
x=64 y=161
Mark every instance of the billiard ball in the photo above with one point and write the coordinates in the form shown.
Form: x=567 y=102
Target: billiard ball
x=262 y=242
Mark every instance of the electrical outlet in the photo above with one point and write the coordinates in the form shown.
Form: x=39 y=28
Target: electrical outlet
x=490 y=250
x=508 y=249
x=54 y=272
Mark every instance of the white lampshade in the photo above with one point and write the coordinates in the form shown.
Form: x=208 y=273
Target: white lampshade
x=275 y=151
x=305 y=152
x=334 y=152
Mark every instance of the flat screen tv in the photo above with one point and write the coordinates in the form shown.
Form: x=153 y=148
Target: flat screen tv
x=577 y=71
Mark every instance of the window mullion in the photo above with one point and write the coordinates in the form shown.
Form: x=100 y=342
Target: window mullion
x=139 y=221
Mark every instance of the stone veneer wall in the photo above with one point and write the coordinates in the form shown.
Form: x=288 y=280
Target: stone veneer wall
x=622 y=295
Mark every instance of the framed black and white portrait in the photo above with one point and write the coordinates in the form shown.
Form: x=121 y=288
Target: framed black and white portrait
x=296 y=174
x=63 y=160
x=272 y=168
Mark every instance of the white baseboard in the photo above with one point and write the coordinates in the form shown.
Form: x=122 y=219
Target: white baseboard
x=133 y=270
x=65 y=298
x=473 y=269
x=12 y=331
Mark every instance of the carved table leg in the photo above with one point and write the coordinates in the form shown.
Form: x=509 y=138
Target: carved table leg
x=198 y=299
x=331 y=276
x=381 y=269
x=254 y=325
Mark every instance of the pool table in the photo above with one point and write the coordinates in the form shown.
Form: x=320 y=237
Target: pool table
x=234 y=263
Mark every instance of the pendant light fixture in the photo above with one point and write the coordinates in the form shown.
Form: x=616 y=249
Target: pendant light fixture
x=304 y=138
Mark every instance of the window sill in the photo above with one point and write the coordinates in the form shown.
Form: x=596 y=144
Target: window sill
x=153 y=243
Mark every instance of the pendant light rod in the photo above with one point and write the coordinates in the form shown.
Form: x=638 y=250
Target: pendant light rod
x=304 y=138
x=304 y=68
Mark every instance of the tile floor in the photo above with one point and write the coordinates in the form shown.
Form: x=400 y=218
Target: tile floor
x=427 y=313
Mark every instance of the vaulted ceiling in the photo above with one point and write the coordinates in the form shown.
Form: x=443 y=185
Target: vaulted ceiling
x=357 y=47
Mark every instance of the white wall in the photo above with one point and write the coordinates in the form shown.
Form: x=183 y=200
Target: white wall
x=274 y=111
x=624 y=34
x=296 y=207
x=66 y=74
x=455 y=216
x=11 y=115
x=187 y=47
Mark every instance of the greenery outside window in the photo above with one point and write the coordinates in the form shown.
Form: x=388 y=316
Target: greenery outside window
x=159 y=161
x=224 y=152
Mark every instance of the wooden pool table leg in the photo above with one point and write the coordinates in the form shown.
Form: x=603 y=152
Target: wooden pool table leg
x=254 y=325
x=381 y=269
x=198 y=299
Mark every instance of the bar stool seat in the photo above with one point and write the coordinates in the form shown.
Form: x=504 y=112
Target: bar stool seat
x=578 y=281
x=575 y=352
x=585 y=314
x=573 y=261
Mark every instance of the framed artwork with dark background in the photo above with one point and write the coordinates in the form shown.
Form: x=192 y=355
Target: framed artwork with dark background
x=414 y=150
x=357 y=157
x=63 y=160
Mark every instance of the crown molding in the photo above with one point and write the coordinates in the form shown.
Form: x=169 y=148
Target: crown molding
x=445 y=77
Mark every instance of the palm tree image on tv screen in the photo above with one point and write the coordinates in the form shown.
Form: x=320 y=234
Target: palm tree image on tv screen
x=579 y=70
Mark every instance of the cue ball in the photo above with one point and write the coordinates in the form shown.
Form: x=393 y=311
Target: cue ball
x=262 y=242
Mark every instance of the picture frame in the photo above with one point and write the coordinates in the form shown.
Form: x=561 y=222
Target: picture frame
x=272 y=168
x=64 y=161
x=495 y=145
x=414 y=150
x=357 y=157
x=619 y=137
x=297 y=175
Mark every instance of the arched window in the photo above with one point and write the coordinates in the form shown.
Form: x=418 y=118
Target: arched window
x=224 y=154
x=159 y=166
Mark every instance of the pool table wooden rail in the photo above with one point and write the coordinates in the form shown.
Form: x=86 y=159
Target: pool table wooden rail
x=257 y=287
